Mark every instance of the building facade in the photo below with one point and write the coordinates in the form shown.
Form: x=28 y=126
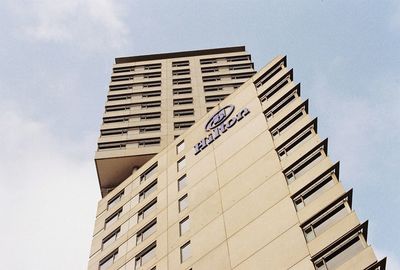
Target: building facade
x=249 y=185
x=152 y=99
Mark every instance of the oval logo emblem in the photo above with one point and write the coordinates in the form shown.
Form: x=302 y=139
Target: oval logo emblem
x=218 y=118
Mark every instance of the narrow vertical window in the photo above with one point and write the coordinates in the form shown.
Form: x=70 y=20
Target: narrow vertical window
x=185 y=252
x=182 y=182
x=109 y=239
x=145 y=211
x=181 y=164
x=113 y=218
x=183 y=203
x=145 y=193
x=109 y=260
x=180 y=147
x=184 y=225
x=116 y=199
x=148 y=230
x=148 y=173
x=146 y=255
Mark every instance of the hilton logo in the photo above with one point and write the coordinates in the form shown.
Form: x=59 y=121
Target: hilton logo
x=219 y=124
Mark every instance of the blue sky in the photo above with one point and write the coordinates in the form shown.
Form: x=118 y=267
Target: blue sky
x=56 y=61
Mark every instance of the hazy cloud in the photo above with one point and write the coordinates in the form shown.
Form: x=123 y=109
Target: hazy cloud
x=44 y=195
x=92 y=24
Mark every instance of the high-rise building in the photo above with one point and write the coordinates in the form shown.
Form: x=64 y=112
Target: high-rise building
x=247 y=185
x=152 y=99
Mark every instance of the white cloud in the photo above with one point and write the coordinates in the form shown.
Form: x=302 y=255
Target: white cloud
x=91 y=24
x=48 y=196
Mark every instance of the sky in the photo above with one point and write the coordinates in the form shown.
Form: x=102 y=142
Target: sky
x=56 y=59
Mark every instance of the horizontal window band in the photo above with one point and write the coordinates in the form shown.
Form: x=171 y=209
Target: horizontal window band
x=334 y=169
x=270 y=72
x=348 y=197
x=379 y=265
x=276 y=86
x=362 y=228
x=323 y=145
x=281 y=122
x=312 y=124
x=280 y=103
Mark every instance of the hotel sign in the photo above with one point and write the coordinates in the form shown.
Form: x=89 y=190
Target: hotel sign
x=218 y=124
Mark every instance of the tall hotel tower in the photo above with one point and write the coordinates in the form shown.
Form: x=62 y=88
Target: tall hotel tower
x=204 y=163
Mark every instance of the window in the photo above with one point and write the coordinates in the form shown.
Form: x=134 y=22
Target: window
x=109 y=239
x=112 y=146
x=183 y=202
x=183 y=125
x=150 y=94
x=108 y=260
x=117 y=108
x=238 y=58
x=180 y=72
x=211 y=78
x=181 y=164
x=181 y=81
x=305 y=163
x=300 y=137
x=148 y=142
x=151 y=84
x=341 y=252
x=276 y=86
x=150 y=104
x=180 y=147
x=146 y=231
x=149 y=172
x=145 y=211
x=242 y=76
x=213 y=88
x=315 y=188
x=215 y=98
x=150 y=128
x=208 y=61
x=121 y=87
x=114 y=200
x=110 y=132
x=121 y=78
x=379 y=265
x=290 y=119
x=184 y=225
x=282 y=102
x=149 y=116
x=181 y=113
x=181 y=91
x=182 y=182
x=145 y=193
x=152 y=66
x=239 y=67
x=123 y=69
x=270 y=73
x=180 y=64
x=185 y=252
x=324 y=221
x=119 y=97
x=209 y=69
x=115 y=119
x=183 y=101
x=152 y=75
x=146 y=255
x=113 y=218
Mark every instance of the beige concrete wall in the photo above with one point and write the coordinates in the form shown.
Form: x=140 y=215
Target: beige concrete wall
x=240 y=205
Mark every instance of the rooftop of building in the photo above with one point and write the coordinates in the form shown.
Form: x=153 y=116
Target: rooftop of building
x=148 y=57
